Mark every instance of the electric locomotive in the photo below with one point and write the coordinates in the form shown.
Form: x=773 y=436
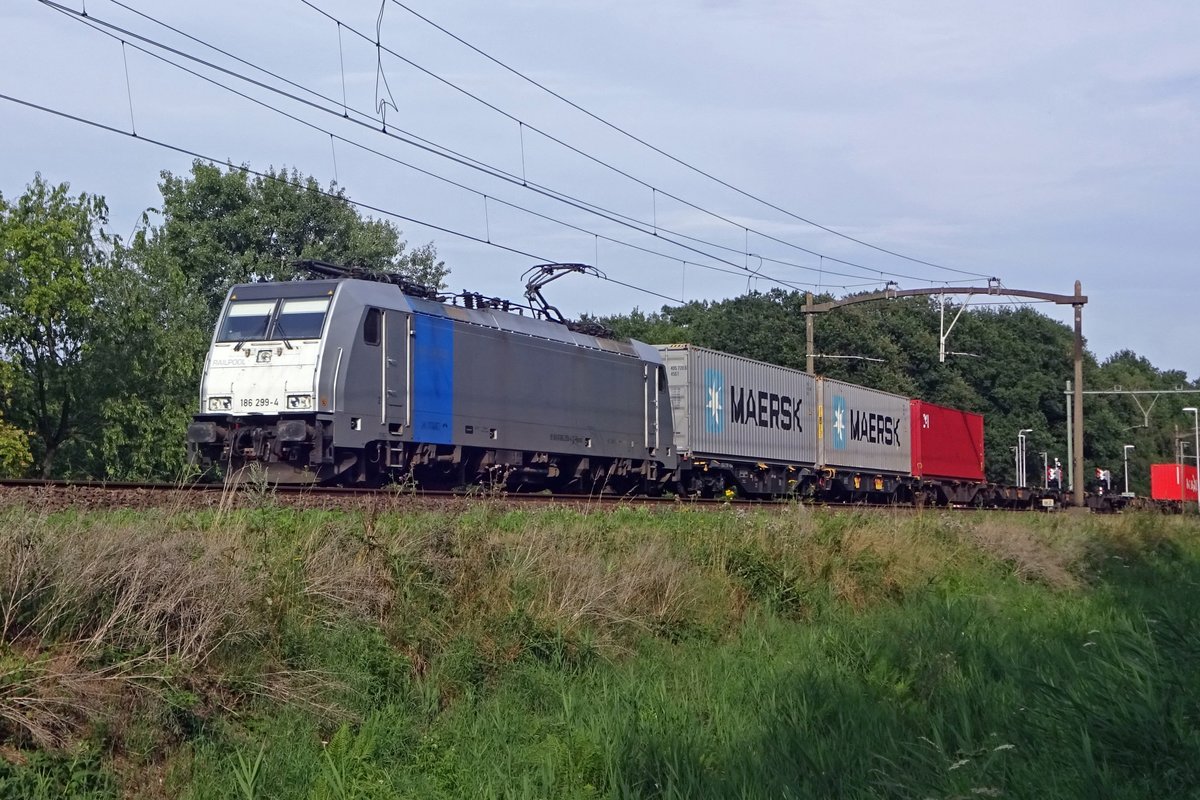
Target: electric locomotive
x=363 y=378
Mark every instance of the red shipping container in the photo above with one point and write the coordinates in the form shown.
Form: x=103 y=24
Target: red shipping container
x=946 y=442
x=1172 y=482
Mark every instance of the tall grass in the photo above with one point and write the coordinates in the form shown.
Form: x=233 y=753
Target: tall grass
x=500 y=652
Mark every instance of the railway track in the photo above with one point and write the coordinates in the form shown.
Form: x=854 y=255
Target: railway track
x=64 y=494
x=58 y=495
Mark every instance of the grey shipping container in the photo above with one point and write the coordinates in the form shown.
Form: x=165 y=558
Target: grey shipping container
x=725 y=405
x=863 y=429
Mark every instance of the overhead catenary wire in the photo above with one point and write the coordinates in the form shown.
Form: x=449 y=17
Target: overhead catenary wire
x=268 y=176
x=409 y=138
x=629 y=176
x=819 y=270
x=107 y=29
x=681 y=162
x=435 y=148
x=446 y=180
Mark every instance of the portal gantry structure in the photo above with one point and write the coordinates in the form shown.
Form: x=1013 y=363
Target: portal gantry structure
x=1077 y=300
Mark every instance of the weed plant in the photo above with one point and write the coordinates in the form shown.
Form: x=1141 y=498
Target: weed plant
x=628 y=653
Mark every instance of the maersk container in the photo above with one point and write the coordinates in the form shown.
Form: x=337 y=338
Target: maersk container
x=1173 y=482
x=728 y=406
x=946 y=443
x=863 y=429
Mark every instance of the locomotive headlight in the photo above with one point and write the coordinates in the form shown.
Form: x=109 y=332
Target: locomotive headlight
x=299 y=402
x=220 y=403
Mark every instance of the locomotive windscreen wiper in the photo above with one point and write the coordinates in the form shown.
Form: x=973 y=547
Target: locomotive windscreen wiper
x=281 y=334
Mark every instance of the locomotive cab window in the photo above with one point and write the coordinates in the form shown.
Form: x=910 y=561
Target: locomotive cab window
x=247 y=320
x=372 y=326
x=301 y=319
x=258 y=320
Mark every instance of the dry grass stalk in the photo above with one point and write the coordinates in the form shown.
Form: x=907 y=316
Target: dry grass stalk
x=51 y=696
x=1029 y=553
x=643 y=589
x=897 y=558
x=70 y=600
x=171 y=592
x=23 y=581
x=304 y=689
x=350 y=576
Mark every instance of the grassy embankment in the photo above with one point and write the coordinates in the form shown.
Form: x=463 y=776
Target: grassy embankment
x=274 y=653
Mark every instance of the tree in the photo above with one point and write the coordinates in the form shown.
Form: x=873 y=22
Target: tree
x=225 y=226
x=14 y=450
x=1120 y=419
x=15 y=457
x=100 y=352
x=53 y=253
x=148 y=369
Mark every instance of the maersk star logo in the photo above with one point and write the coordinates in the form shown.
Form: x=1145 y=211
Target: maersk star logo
x=838 y=424
x=714 y=392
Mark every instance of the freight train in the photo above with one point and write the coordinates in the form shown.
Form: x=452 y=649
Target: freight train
x=362 y=379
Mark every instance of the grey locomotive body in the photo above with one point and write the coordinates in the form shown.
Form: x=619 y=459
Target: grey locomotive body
x=357 y=381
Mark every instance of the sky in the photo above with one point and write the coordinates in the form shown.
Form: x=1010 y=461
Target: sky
x=1038 y=143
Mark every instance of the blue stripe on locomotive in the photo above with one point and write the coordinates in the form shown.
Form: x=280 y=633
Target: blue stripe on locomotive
x=433 y=379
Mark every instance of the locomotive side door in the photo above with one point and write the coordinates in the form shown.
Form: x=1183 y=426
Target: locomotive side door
x=653 y=383
x=396 y=355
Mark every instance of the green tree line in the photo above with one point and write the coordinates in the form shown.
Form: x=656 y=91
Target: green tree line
x=102 y=339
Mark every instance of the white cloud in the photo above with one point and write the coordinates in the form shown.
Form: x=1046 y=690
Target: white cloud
x=1042 y=142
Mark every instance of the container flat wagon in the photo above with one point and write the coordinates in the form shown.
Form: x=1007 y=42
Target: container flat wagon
x=865 y=441
x=363 y=378
x=740 y=425
x=947 y=452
